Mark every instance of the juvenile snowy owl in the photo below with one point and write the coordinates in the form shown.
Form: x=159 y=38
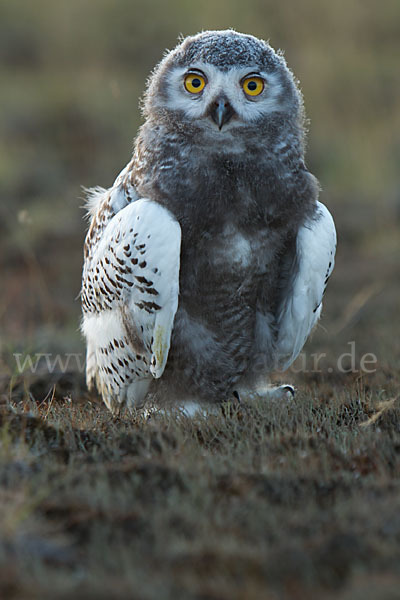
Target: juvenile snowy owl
x=206 y=261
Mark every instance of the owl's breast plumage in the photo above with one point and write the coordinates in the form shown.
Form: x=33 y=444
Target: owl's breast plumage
x=235 y=214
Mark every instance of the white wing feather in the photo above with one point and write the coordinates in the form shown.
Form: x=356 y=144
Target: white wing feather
x=300 y=311
x=130 y=297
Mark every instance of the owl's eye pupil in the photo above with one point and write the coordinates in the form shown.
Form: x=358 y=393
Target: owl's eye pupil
x=196 y=83
x=252 y=86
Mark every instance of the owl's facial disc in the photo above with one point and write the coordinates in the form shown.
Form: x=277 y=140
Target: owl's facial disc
x=221 y=99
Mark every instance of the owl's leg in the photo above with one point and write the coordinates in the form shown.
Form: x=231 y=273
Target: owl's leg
x=134 y=394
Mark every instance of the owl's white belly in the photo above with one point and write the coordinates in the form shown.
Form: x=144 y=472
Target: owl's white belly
x=231 y=250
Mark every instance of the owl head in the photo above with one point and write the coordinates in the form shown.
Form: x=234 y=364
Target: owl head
x=221 y=82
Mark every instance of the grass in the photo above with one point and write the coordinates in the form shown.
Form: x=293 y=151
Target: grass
x=284 y=500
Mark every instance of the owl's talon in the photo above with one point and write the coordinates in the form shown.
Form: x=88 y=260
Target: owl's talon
x=289 y=389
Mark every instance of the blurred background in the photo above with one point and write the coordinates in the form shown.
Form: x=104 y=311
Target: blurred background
x=71 y=77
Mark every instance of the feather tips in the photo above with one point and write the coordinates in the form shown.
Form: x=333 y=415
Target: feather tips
x=301 y=309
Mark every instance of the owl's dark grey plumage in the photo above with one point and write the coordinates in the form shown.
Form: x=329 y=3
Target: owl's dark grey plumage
x=206 y=262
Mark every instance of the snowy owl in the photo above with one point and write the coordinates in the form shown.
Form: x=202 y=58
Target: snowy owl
x=206 y=262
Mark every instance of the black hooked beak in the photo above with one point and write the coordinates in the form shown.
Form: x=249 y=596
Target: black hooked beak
x=221 y=111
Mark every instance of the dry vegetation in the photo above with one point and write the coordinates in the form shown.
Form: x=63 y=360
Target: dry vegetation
x=291 y=500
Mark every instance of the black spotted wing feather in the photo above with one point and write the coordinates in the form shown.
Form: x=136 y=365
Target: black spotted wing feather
x=129 y=298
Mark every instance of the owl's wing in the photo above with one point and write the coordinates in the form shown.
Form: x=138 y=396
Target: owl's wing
x=301 y=307
x=129 y=298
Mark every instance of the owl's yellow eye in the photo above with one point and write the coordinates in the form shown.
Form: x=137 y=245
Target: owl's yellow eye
x=194 y=83
x=253 y=86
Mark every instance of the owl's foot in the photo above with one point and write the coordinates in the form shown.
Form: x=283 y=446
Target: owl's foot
x=268 y=392
x=192 y=408
x=188 y=408
x=279 y=393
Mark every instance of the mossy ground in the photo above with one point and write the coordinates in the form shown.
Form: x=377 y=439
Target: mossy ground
x=294 y=499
